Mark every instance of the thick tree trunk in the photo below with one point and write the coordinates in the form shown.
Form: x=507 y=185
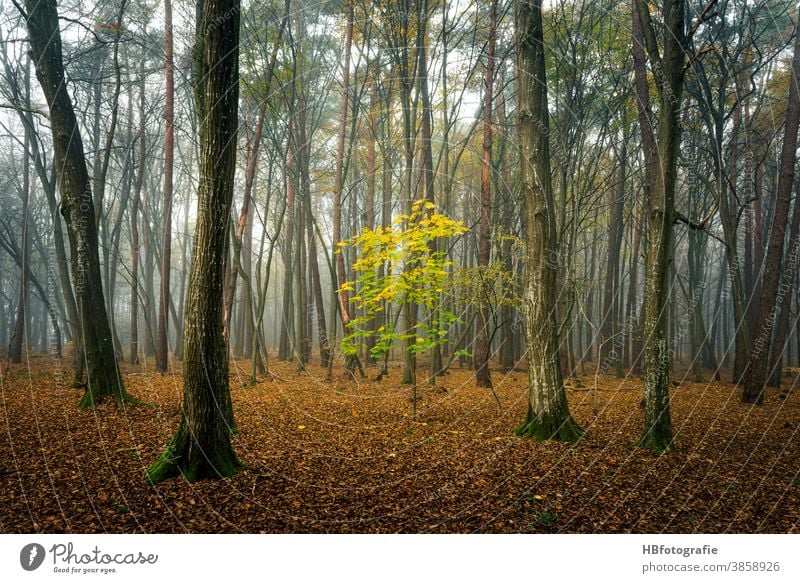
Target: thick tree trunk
x=647 y=127
x=427 y=163
x=201 y=448
x=77 y=207
x=548 y=413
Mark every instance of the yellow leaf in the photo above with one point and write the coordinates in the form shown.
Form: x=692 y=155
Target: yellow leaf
x=301 y=426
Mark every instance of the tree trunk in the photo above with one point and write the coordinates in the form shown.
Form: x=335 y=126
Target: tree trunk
x=773 y=291
x=201 y=448
x=338 y=185
x=184 y=268
x=77 y=207
x=482 y=375
x=298 y=272
x=548 y=413
x=19 y=336
x=284 y=352
x=633 y=354
x=609 y=324
x=319 y=303
x=162 y=348
x=669 y=69
x=372 y=168
x=241 y=226
x=728 y=218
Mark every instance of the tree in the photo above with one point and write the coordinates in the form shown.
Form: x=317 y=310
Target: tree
x=482 y=376
x=660 y=196
x=19 y=336
x=338 y=186
x=548 y=413
x=134 y=217
x=201 y=447
x=416 y=276
x=77 y=207
x=662 y=158
x=162 y=343
x=771 y=293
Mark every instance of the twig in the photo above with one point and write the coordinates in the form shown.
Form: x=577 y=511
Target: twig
x=24 y=109
x=707 y=14
x=701 y=226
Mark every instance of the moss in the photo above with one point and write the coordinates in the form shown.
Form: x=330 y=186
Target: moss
x=657 y=439
x=559 y=427
x=193 y=463
x=165 y=467
x=119 y=395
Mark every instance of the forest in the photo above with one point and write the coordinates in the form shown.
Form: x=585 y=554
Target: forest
x=423 y=266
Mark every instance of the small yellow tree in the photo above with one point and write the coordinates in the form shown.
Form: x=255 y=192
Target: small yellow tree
x=415 y=274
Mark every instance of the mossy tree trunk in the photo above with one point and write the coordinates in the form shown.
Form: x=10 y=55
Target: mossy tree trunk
x=201 y=448
x=77 y=208
x=548 y=413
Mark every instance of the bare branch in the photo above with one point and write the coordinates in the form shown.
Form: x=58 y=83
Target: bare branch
x=707 y=14
x=24 y=109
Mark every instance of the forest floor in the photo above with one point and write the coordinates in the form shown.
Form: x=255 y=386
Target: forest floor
x=347 y=457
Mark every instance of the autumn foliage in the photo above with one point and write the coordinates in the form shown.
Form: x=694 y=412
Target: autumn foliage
x=346 y=457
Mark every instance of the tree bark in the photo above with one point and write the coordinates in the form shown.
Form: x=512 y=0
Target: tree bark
x=548 y=413
x=77 y=207
x=201 y=448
